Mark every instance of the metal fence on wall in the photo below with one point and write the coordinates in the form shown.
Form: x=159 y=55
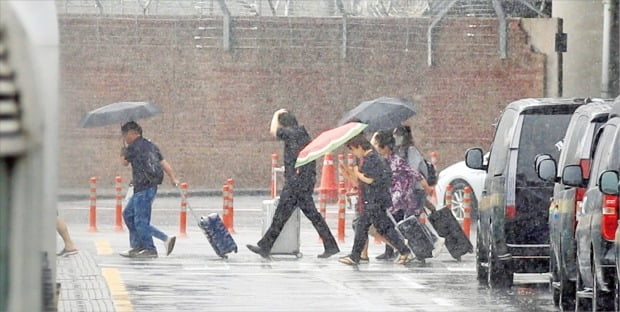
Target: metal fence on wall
x=233 y=24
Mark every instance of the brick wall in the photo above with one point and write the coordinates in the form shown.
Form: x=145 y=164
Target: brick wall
x=217 y=105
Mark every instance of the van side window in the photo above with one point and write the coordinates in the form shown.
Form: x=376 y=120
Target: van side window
x=603 y=157
x=501 y=143
x=540 y=133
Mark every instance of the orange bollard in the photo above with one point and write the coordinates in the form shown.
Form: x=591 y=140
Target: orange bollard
x=183 y=212
x=92 y=218
x=448 y=197
x=323 y=203
x=434 y=159
x=273 y=187
x=118 y=215
x=341 y=161
x=225 y=210
x=328 y=178
x=342 y=202
x=231 y=206
x=350 y=163
x=467 y=208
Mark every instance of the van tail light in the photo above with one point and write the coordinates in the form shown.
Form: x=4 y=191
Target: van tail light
x=610 y=217
x=585 y=168
x=579 y=193
x=511 y=211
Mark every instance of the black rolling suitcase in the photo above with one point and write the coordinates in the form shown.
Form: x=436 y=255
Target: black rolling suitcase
x=416 y=237
x=449 y=228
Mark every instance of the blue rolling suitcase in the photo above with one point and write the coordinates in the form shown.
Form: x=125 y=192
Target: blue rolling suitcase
x=218 y=235
x=216 y=232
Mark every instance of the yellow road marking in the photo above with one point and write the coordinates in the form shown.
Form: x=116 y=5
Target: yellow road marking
x=103 y=247
x=120 y=297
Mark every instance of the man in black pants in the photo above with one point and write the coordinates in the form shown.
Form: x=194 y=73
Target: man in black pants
x=298 y=187
x=374 y=178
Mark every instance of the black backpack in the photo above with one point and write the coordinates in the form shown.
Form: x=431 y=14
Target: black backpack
x=431 y=176
x=153 y=170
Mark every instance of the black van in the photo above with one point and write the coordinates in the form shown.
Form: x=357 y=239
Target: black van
x=596 y=233
x=512 y=229
x=577 y=150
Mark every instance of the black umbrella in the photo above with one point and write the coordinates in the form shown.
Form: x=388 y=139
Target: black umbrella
x=383 y=113
x=119 y=113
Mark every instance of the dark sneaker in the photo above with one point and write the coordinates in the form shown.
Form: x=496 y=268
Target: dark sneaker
x=146 y=253
x=258 y=250
x=169 y=243
x=130 y=253
x=328 y=253
x=385 y=256
x=64 y=252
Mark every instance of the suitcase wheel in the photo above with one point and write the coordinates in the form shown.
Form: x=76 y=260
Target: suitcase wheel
x=458 y=259
x=299 y=255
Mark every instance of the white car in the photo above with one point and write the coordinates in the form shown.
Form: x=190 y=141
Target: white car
x=460 y=176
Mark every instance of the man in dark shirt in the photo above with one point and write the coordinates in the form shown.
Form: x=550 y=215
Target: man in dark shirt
x=145 y=159
x=375 y=179
x=298 y=187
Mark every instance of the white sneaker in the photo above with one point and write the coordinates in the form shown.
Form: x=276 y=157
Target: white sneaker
x=169 y=243
x=438 y=246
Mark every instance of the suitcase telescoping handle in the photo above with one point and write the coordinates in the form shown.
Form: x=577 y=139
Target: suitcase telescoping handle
x=191 y=211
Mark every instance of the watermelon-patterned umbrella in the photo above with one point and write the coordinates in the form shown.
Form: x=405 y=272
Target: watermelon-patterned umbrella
x=328 y=141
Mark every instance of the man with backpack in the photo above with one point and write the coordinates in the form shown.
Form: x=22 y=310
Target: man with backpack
x=147 y=168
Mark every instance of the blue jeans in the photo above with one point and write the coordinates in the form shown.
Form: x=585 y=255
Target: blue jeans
x=137 y=215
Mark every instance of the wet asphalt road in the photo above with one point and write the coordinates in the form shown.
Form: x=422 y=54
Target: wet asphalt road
x=193 y=278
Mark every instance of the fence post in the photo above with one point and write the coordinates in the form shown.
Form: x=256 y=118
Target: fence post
x=118 y=215
x=183 y=212
x=92 y=220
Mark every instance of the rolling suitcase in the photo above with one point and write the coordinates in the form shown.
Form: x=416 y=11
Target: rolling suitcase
x=449 y=228
x=217 y=234
x=288 y=242
x=416 y=236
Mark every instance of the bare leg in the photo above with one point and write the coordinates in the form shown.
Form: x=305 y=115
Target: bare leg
x=364 y=253
x=62 y=229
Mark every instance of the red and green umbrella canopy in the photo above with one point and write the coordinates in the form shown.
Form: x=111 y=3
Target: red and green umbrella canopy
x=328 y=141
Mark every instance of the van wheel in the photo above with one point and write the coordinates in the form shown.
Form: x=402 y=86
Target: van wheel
x=581 y=303
x=480 y=257
x=601 y=301
x=500 y=274
x=566 y=291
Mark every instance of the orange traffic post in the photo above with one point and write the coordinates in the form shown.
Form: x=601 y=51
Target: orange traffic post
x=225 y=211
x=231 y=206
x=434 y=160
x=448 y=196
x=341 y=161
x=328 y=178
x=342 y=202
x=92 y=218
x=467 y=208
x=350 y=162
x=323 y=203
x=183 y=212
x=273 y=186
x=118 y=213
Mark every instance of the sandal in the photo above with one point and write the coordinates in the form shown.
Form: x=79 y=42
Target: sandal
x=347 y=260
x=364 y=260
x=404 y=259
